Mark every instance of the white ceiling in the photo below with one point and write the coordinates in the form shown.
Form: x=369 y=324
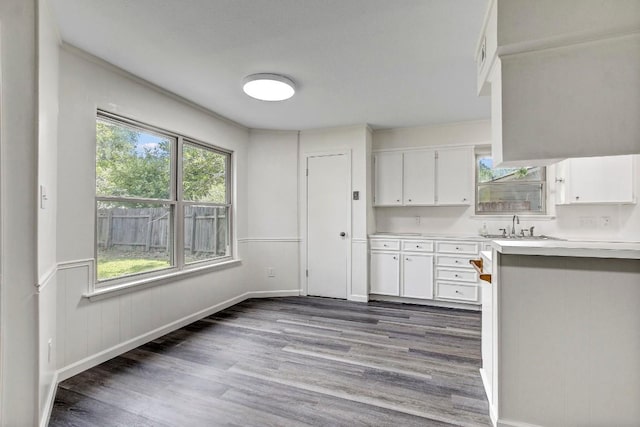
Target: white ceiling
x=388 y=63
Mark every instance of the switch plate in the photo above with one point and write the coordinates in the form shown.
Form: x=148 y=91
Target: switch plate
x=356 y=195
x=271 y=272
x=43 y=197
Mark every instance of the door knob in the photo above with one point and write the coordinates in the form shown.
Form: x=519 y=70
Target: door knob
x=342 y=234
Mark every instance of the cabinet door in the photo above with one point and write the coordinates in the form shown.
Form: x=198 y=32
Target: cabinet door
x=385 y=273
x=419 y=177
x=388 y=179
x=454 y=182
x=417 y=278
x=600 y=180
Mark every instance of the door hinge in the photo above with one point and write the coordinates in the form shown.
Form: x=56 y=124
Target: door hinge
x=307 y=273
x=307 y=172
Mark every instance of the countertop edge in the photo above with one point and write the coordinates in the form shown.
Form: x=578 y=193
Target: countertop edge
x=621 y=250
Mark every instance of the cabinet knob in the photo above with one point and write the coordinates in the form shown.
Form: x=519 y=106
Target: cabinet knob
x=456 y=275
x=458 y=292
x=457 y=248
x=464 y=200
x=577 y=197
x=418 y=246
x=395 y=257
x=409 y=199
x=457 y=262
x=407 y=259
x=385 y=245
x=397 y=200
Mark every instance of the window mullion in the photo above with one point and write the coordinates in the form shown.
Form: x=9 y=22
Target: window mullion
x=179 y=226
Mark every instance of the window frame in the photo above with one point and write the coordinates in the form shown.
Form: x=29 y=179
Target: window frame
x=176 y=208
x=543 y=183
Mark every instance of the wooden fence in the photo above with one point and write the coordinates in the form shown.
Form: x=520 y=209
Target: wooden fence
x=147 y=229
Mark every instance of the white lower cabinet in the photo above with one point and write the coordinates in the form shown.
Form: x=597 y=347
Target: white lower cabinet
x=404 y=273
x=425 y=269
x=456 y=279
x=417 y=276
x=385 y=273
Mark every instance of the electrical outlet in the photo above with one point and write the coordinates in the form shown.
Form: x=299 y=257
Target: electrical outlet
x=605 y=221
x=271 y=272
x=588 y=222
x=417 y=220
x=49 y=349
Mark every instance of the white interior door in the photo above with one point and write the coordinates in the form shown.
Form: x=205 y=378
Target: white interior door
x=328 y=225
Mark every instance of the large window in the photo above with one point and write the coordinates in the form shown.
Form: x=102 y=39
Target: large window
x=162 y=200
x=509 y=190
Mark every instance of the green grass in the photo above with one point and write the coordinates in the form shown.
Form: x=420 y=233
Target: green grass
x=110 y=268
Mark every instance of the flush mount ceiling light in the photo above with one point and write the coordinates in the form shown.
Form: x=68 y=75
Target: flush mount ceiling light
x=268 y=87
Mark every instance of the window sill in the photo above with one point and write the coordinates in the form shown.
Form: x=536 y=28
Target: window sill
x=136 y=285
x=527 y=217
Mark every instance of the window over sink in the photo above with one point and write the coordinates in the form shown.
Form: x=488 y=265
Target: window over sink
x=509 y=190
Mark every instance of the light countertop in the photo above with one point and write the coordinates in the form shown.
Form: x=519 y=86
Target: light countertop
x=569 y=248
x=418 y=236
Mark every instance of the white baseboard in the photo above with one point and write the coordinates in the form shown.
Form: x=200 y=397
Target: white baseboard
x=511 y=423
x=110 y=353
x=269 y=294
x=48 y=404
x=358 y=298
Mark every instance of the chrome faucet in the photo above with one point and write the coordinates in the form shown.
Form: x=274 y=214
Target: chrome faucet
x=513 y=224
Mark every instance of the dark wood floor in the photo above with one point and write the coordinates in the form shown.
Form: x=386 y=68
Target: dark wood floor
x=290 y=362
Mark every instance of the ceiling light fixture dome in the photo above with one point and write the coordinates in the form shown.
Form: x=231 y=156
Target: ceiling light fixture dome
x=269 y=87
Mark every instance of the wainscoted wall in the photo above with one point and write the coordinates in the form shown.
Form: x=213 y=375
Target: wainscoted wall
x=48 y=76
x=273 y=237
x=47 y=340
x=90 y=331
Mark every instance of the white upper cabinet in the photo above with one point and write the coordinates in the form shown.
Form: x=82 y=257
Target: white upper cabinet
x=454 y=176
x=563 y=78
x=424 y=177
x=388 y=179
x=419 y=178
x=593 y=180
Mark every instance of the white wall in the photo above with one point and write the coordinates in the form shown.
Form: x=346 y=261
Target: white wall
x=273 y=237
x=18 y=140
x=565 y=222
x=48 y=47
x=91 y=331
x=354 y=139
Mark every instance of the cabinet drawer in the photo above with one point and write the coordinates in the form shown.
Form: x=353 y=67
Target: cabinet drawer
x=457 y=275
x=471 y=248
x=390 y=244
x=417 y=245
x=451 y=291
x=455 y=261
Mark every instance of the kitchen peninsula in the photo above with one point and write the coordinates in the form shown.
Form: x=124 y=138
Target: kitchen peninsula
x=565 y=330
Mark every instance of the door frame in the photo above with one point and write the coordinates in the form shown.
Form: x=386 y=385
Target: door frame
x=304 y=217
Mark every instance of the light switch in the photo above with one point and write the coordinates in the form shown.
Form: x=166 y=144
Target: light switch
x=43 y=197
